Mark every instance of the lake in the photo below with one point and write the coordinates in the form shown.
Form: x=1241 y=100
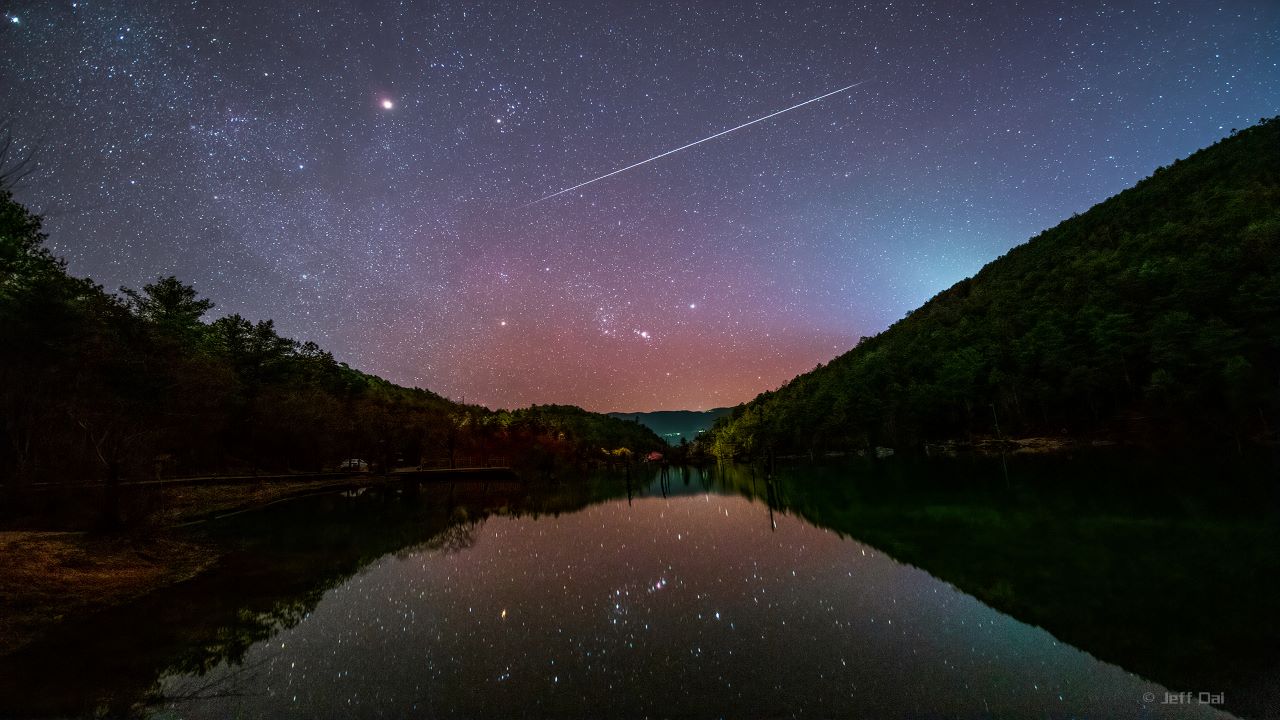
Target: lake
x=1102 y=587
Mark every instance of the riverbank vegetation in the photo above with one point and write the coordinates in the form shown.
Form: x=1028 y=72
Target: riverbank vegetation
x=1154 y=317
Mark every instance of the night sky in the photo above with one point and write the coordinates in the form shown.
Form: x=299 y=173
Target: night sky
x=359 y=172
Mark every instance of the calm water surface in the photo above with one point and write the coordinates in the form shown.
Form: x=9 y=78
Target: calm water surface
x=692 y=604
x=697 y=594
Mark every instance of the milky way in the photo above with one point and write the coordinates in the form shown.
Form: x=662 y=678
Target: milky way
x=356 y=174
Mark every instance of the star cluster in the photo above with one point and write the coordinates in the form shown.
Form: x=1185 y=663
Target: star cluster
x=361 y=174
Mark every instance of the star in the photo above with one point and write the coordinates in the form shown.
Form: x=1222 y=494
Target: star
x=830 y=221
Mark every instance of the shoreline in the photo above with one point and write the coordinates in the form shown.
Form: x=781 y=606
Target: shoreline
x=1045 y=445
x=979 y=446
x=53 y=576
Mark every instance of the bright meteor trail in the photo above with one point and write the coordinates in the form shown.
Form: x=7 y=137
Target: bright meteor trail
x=696 y=142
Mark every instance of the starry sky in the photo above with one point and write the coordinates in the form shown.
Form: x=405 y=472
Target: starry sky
x=360 y=172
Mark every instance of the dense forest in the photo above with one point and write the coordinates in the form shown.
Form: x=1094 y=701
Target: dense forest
x=1153 y=317
x=97 y=387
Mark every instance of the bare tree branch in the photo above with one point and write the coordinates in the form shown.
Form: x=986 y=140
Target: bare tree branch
x=15 y=166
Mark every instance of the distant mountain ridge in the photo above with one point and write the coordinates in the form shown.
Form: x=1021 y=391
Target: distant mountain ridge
x=674 y=425
x=1153 y=317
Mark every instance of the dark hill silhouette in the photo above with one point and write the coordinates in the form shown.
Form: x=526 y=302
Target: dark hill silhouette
x=1154 y=316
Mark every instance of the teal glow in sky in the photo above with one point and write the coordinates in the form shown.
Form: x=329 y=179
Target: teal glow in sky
x=358 y=175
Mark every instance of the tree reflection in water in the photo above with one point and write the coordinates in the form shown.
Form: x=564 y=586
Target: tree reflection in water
x=1082 y=548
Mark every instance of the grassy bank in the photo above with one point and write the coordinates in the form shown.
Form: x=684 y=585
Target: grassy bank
x=49 y=576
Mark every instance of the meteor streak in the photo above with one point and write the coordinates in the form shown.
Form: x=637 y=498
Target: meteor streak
x=696 y=142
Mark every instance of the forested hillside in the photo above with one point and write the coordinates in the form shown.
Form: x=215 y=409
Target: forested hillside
x=1154 y=316
x=96 y=386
